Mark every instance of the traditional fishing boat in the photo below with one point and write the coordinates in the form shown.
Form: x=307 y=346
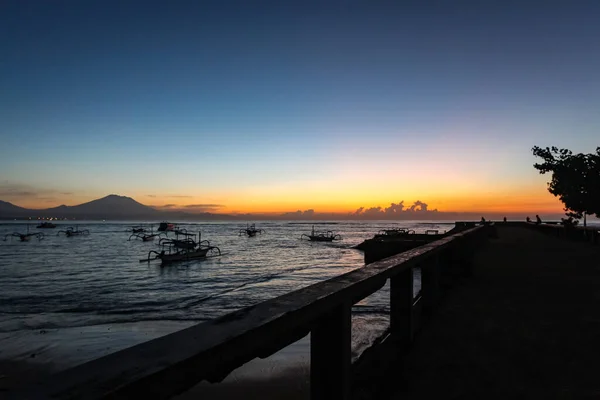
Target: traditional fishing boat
x=184 y=249
x=46 y=225
x=166 y=226
x=74 y=232
x=137 y=229
x=321 y=236
x=24 y=237
x=250 y=230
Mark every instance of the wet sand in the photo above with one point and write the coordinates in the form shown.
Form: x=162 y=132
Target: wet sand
x=27 y=357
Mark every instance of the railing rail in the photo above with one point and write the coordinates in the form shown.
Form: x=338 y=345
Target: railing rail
x=169 y=365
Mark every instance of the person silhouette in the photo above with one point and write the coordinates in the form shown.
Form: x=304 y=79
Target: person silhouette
x=482 y=220
x=528 y=219
x=538 y=220
x=504 y=219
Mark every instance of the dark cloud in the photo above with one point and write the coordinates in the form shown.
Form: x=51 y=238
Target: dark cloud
x=373 y=211
x=18 y=190
x=395 y=210
x=191 y=208
x=204 y=206
x=359 y=211
x=299 y=214
x=8 y=189
x=419 y=203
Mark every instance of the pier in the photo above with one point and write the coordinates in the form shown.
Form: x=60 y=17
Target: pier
x=505 y=310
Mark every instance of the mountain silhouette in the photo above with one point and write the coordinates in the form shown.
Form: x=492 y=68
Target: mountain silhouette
x=8 y=208
x=111 y=207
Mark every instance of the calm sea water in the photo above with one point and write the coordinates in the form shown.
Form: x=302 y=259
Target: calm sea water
x=61 y=282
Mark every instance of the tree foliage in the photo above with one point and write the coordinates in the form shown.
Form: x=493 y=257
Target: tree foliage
x=575 y=178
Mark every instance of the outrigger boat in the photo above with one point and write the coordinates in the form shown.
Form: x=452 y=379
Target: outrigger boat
x=250 y=230
x=186 y=249
x=46 y=225
x=137 y=229
x=74 y=232
x=24 y=237
x=323 y=236
x=166 y=226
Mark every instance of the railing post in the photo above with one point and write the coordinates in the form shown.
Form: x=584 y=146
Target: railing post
x=330 y=357
x=430 y=284
x=401 y=307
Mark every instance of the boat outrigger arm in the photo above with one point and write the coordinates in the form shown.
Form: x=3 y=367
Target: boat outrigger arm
x=146 y=237
x=24 y=237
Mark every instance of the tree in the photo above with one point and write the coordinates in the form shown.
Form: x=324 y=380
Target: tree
x=575 y=179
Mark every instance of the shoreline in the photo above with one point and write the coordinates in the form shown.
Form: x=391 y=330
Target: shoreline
x=26 y=358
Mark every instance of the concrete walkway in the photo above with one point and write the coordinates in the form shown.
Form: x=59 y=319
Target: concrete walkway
x=525 y=326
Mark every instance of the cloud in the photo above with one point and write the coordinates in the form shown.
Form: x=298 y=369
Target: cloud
x=418 y=203
x=299 y=214
x=18 y=190
x=191 y=208
x=8 y=189
x=395 y=210
x=204 y=206
x=175 y=196
x=167 y=206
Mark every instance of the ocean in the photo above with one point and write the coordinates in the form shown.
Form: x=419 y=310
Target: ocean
x=66 y=300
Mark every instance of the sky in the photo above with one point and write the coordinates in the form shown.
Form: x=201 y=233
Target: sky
x=270 y=106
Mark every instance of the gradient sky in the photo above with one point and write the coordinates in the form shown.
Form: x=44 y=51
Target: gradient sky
x=252 y=106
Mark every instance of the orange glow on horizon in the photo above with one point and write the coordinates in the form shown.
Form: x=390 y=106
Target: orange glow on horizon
x=344 y=198
x=478 y=202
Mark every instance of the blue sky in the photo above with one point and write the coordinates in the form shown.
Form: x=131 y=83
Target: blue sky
x=227 y=100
